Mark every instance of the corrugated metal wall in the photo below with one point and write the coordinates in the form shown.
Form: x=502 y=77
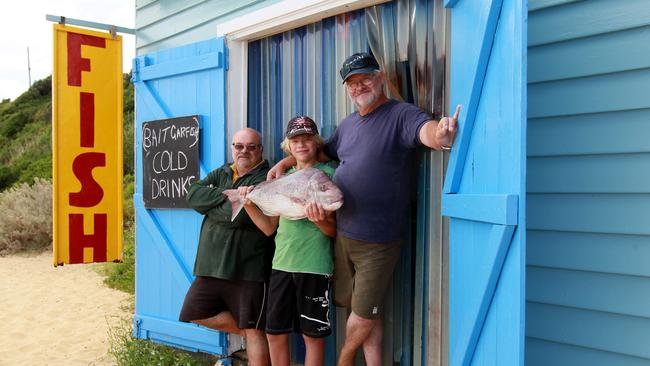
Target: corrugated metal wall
x=166 y=24
x=588 y=260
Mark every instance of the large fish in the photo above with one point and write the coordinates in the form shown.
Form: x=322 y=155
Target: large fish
x=288 y=195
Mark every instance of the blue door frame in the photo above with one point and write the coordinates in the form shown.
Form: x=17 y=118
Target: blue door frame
x=484 y=189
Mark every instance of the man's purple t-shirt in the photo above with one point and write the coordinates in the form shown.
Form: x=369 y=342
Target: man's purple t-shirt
x=375 y=152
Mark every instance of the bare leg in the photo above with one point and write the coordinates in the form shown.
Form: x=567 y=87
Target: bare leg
x=224 y=321
x=279 y=349
x=315 y=351
x=372 y=345
x=357 y=332
x=257 y=349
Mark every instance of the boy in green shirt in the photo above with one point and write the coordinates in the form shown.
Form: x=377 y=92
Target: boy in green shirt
x=302 y=264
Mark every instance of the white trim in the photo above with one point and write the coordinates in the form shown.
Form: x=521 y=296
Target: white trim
x=236 y=89
x=286 y=15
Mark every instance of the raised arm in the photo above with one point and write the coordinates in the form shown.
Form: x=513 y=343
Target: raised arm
x=439 y=135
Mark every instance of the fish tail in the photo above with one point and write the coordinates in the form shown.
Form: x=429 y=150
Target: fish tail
x=236 y=202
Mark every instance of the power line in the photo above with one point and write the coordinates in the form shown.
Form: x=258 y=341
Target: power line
x=29 y=69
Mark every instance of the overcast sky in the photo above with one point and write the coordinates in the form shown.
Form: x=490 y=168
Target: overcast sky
x=23 y=25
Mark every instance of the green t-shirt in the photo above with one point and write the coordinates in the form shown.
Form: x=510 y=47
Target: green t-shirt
x=300 y=246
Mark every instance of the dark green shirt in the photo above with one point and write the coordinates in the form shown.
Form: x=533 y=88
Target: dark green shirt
x=235 y=250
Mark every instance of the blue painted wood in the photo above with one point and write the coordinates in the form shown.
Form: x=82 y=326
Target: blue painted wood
x=542 y=4
x=610 y=332
x=595 y=94
x=165 y=24
x=620 y=173
x=620 y=294
x=584 y=19
x=484 y=24
x=182 y=335
x=499 y=209
x=611 y=52
x=492 y=264
x=190 y=64
x=486 y=309
x=598 y=213
x=595 y=252
x=165 y=255
x=586 y=134
x=543 y=353
x=152 y=225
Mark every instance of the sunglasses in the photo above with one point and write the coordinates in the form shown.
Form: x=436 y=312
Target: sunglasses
x=249 y=147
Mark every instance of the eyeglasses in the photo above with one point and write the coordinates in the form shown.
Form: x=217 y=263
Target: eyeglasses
x=250 y=147
x=366 y=81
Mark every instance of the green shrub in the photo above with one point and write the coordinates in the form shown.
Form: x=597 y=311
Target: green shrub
x=14 y=123
x=129 y=351
x=26 y=220
x=7 y=177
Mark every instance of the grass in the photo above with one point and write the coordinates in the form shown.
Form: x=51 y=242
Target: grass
x=129 y=351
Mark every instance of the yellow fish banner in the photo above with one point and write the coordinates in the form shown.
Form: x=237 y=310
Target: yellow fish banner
x=87 y=146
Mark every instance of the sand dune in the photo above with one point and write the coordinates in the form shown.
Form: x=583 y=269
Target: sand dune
x=55 y=316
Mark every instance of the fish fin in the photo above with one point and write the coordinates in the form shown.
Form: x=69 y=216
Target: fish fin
x=236 y=202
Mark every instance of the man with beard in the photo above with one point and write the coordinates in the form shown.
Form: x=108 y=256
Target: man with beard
x=375 y=147
x=233 y=261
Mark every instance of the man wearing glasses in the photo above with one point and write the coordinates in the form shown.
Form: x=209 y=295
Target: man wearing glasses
x=375 y=147
x=233 y=261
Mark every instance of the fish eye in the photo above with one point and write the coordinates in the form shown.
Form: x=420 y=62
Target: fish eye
x=323 y=188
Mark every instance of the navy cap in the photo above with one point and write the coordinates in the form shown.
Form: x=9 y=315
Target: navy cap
x=359 y=63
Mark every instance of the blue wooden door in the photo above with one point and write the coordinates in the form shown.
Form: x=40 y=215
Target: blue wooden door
x=183 y=81
x=484 y=189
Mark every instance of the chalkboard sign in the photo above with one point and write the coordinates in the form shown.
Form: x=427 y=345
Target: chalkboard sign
x=170 y=160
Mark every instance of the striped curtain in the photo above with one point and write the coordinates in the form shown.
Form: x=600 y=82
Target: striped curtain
x=296 y=72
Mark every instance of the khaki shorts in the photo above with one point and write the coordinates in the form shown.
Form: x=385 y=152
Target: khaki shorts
x=362 y=273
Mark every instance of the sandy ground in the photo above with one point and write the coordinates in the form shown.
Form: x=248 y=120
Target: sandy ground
x=55 y=316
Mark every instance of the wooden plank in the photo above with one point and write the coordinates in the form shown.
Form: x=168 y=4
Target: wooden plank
x=499 y=209
x=595 y=94
x=471 y=75
x=612 y=173
x=213 y=60
x=492 y=264
x=593 y=329
x=607 y=53
x=543 y=353
x=601 y=133
x=155 y=230
x=186 y=335
x=594 y=252
x=612 y=293
x=586 y=18
x=599 y=213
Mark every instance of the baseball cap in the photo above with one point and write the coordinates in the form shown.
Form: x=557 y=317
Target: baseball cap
x=301 y=125
x=359 y=63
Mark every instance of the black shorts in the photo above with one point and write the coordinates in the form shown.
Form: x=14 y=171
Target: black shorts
x=299 y=302
x=209 y=296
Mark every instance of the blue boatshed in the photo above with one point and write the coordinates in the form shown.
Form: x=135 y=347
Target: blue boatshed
x=529 y=241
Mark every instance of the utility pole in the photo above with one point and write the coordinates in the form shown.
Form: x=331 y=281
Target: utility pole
x=29 y=69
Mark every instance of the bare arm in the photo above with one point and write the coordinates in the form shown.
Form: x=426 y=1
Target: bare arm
x=279 y=168
x=325 y=220
x=268 y=224
x=439 y=135
x=283 y=165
